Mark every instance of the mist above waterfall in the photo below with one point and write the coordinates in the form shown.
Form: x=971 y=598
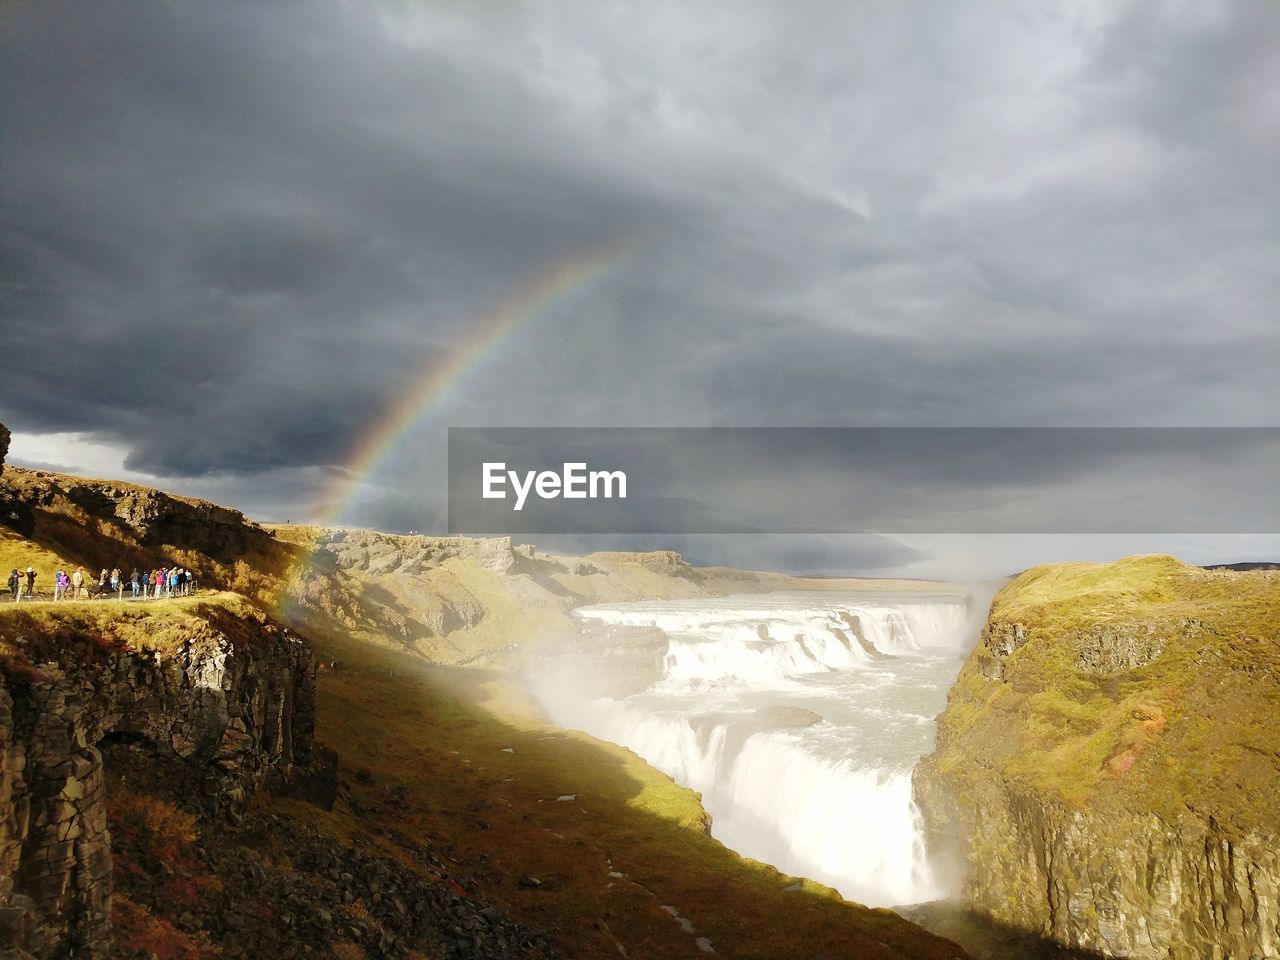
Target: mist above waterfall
x=797 y=716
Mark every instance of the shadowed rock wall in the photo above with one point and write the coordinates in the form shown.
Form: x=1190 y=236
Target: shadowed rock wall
x=240 y=713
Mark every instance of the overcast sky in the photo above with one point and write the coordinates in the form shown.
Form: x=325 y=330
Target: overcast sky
x=235 y=234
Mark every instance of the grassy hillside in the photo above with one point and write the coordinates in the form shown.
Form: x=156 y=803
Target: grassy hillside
x=452 y=755
x=16 y=551
x=1107 y=776
x=41 y=631
x=1145 y=680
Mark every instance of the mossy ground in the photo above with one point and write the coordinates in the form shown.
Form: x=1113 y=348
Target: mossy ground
x=1198 y=726
x=44 y=630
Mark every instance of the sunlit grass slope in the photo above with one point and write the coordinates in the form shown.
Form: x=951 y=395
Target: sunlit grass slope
x=449 y=755
x=1197 y=724
x=17 y=551
x=45 y=630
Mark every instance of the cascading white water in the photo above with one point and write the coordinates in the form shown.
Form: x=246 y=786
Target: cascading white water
x=734 y=715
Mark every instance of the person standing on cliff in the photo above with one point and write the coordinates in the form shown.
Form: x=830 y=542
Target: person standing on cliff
x=77 y=583
x=133 y=582
x=31 y=583
x=14 y=581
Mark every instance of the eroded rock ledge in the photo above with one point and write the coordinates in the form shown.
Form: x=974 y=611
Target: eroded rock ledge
x=227 y=692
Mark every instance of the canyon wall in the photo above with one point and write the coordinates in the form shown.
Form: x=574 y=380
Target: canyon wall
x=226 y=691
x=1106 y=776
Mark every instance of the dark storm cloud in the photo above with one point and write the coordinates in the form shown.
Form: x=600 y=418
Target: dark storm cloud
x=235 y=232
x=205 y=222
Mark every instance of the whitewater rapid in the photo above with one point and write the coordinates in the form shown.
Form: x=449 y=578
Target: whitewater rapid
x=731 y=708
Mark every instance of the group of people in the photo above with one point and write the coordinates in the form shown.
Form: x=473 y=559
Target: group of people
x=141 y=584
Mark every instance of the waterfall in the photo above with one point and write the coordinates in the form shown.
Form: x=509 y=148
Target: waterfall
x=798 y=717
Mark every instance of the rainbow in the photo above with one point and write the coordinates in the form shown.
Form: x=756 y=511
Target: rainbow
x=436 y=379
x=434 y=384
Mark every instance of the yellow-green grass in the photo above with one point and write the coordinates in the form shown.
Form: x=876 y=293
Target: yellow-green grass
x=16 y=551
x=1069 y=596
x=1199 y=725
x=425 y=753
x=44 y=630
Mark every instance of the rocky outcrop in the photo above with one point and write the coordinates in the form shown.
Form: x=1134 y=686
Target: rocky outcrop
x=1115 y=648
x=233 y=699
x=140 y=516
x=667 y=563
x=1106 y=775
x=9 y=514
x=380 y=554
x=854 y=624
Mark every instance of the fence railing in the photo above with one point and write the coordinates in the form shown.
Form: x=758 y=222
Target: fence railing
x=95 y=594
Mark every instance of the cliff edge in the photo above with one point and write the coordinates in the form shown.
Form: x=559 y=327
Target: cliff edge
x=215 y=688
x=1107 y=775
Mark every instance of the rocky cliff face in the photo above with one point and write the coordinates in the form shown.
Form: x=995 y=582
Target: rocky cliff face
x=1112 y=883
x=133 y=517
x=4 y=444
x=1106 y=775
x=228 y=692
x=55 y=853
